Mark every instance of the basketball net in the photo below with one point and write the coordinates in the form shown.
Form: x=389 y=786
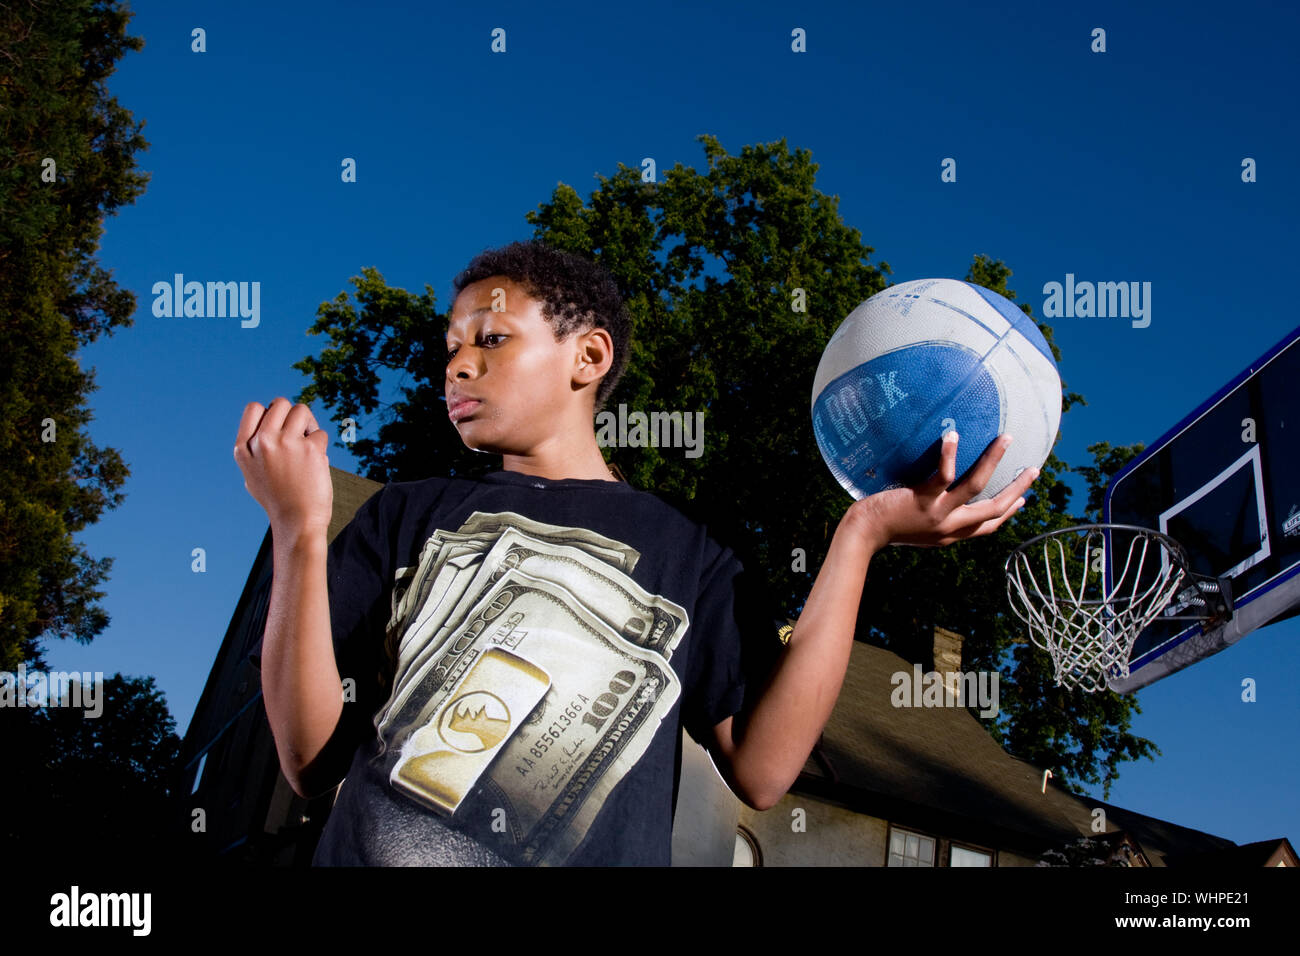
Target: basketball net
x=1057 y=584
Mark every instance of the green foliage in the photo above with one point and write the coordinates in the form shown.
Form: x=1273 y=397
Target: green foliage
x=709 y=263
x=395 y=330
x=1087 y=851
x=54 y=298
x=1107 y=461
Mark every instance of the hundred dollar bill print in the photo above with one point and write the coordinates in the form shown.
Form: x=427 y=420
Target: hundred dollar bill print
x=530 y=673
x=413 y=587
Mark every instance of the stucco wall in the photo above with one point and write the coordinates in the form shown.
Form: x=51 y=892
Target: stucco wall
x=831 y=835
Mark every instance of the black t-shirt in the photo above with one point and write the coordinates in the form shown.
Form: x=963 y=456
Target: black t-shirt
x=524 y=652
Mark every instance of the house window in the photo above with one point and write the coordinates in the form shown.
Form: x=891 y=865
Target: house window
x=747 y=852
x=965 y=856
x=910 y=849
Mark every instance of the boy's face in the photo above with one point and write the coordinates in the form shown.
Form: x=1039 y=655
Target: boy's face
x=509 y=384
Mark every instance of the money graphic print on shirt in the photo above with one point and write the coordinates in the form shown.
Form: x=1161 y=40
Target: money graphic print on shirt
x=530 y=674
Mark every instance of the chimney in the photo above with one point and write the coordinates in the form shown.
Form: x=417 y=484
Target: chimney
x=947 y=658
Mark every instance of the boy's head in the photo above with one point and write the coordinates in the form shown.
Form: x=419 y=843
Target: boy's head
x=549 y=359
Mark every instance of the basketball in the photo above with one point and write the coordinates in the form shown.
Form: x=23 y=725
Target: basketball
x=923 y=358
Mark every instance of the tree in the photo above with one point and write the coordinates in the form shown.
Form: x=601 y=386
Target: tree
x=711 y=265
x=99 y=785
x=66 y=158
x=1090 y=851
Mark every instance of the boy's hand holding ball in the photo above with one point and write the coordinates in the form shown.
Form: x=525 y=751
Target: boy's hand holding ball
x=930 y=515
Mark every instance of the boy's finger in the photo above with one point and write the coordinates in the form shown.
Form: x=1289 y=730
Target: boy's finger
x=981 y=511
x=300 y=421
x=989 y=518
x=982 y=472
x=1018 y=487
x=947 y=472
x=276 y=413
x=1004 y=504
x=248 y=423
x=994 y=523
x=948 y=458
x=988 y=527
x=321 y=440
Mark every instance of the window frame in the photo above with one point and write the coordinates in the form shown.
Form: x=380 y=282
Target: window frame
x=920 y=834
x=751 y=840
x=972 y=848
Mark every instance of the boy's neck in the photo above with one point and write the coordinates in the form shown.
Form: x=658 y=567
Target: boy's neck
x=589 y=465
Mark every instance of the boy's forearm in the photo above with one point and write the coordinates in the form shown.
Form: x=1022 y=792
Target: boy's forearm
x=783 y=726
x=300 y=680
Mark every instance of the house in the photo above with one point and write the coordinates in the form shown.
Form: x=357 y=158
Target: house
x=891 y=785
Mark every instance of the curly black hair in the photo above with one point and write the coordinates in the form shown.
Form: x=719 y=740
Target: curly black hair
x=575 y=294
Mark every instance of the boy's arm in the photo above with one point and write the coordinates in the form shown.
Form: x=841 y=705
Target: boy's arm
x=761 y=750
x=301 y=687
x=282 y=453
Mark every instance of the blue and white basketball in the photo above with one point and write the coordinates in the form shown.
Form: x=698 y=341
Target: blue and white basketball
x=920 y=359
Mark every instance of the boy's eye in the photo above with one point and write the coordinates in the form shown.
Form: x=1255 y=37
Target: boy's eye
x=495 y=338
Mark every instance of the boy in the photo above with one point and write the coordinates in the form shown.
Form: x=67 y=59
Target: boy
x=525 y=647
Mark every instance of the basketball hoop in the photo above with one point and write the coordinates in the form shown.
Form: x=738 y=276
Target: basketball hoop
x=1086 y=614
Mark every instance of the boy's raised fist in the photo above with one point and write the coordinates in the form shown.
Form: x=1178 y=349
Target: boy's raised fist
x=283 y=455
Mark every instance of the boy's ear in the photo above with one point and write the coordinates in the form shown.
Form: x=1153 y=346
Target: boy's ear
x=595 y=355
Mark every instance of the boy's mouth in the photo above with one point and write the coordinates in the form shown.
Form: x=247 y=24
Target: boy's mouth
x=460 y=407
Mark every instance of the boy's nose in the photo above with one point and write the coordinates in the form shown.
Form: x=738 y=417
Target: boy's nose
x=462 y=365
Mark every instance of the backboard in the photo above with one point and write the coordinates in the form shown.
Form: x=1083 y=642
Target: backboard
x=1225 y=483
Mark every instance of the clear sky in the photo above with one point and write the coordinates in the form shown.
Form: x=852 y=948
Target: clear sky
x=1115 y=166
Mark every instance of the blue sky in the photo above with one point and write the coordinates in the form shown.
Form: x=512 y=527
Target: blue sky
x=1115 y=166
